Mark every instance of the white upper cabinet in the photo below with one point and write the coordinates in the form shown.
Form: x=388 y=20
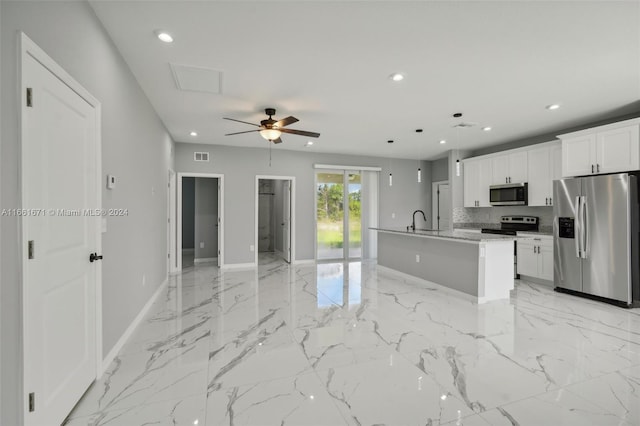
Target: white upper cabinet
x=544 y=166
x=509 y=168
x=605 y=149
x=477 y=177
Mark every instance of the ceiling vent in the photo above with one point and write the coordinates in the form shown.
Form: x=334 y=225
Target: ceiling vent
x=201 y=156
x=197 y=79
x=464 y=124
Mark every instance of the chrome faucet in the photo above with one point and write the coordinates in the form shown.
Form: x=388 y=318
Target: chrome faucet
x=413 y=223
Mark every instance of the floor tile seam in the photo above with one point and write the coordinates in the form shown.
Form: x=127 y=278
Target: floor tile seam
x=538 y=395
x=602 y=407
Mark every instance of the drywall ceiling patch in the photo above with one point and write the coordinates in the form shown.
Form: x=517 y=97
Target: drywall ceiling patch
x=197 y=79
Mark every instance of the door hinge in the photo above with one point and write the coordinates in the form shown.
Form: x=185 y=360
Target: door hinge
x=31 y=249
x=32 y=402
x=29 y=97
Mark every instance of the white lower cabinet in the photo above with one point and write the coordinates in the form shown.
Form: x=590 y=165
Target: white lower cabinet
x=535 y=257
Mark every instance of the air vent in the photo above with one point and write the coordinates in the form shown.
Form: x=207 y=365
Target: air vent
x=197 y=79
x=465 y=124
x=201 y=156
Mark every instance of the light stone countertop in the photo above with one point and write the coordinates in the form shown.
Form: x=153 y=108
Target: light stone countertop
x=450 y=235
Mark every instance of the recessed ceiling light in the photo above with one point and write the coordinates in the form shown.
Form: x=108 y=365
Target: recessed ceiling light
x=443 y=141
x=486 y=129
x=397 y=76
x=552 y=106
x=309 y=143
x=164 y=36
x=193 y=133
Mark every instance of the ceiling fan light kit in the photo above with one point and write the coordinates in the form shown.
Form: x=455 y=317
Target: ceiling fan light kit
x=272 y=129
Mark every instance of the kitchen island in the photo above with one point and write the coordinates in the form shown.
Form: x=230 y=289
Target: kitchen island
x=479 y=265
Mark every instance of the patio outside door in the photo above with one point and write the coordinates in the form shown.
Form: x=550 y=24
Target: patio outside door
x=338 y=215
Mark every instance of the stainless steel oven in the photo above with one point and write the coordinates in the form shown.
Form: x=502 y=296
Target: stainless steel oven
x=511 y=194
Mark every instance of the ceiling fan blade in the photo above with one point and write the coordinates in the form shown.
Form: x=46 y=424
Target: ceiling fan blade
x=300 y=132
x=277 y=140
x=286 y=121
x=240 y=121
x=238 y=133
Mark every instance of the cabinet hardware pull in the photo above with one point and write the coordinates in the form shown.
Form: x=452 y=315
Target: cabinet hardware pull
x=592 y=168
x=546 y=201
x=550 y=201
x=598 y=168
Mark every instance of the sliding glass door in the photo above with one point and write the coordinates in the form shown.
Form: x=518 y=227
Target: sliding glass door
x=338 y=215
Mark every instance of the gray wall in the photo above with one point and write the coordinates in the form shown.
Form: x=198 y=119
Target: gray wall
x=440 y=170
x=206 y=218
x=278 y=200
x=266 y=215
x=188 y=212
x=241 y=165
x=135 y=147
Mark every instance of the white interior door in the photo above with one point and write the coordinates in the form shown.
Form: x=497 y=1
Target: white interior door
x=218 y=227
x=286 y=222
x=443 y=219
x=60 y=172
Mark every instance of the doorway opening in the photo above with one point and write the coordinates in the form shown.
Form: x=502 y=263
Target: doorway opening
x=346 y=208
x=275 y=213
x=441 y=205
x=200 y=230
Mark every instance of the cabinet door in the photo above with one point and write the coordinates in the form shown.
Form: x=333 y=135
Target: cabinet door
x=555 y=159
x=518 y=167
x=539 y=170
x=545 y=261
x=578 y=155
x=500 y=169
x=484 y=181
x=527 y=258
x=618 y=150
x=471 y=174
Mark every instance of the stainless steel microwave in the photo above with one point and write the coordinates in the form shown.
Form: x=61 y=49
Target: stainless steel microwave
x=511 y=194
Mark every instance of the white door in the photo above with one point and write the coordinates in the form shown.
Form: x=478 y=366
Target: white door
x=484 y=177
x=219 y=225
x=471 y=180
x=500 y=170
x=578 y=155
x=618 y=150
x=518 y=167
x=539 y=177
x=60 y=169
x=444 y=207
x=286 y=222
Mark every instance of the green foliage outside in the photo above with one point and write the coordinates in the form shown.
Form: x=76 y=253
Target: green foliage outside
x=330 y=214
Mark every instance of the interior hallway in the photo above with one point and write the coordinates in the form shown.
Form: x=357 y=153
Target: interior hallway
x=352 y=343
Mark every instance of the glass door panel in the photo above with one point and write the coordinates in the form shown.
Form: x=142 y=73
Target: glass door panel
x=354 y=218
x=330 y=215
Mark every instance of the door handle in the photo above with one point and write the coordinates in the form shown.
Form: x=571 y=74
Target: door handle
x=578 y=231
x=583 y=228
x=94 y=256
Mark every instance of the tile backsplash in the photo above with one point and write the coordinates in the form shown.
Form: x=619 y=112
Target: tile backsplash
x=489 y=217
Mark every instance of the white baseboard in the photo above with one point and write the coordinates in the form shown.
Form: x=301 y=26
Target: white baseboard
x=239 y=266
x=304 y=262
x=129 y=331
x=204 y=260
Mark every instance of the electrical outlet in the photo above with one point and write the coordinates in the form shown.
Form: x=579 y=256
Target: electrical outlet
x=393 y=215
x=201 y=244
x=417 y=258
x=252 y=248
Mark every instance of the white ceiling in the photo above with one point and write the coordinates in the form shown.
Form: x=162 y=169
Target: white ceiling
x=328 y=63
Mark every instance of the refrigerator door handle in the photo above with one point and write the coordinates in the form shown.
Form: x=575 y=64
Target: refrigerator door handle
x=577 y=235
x=583 y=228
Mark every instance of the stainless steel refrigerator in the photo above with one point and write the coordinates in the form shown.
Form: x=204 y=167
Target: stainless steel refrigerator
x=596 y=237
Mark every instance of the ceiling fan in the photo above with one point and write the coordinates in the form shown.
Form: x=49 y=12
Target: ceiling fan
x=271 y=129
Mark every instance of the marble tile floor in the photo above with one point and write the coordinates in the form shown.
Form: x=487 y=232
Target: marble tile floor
x=357 y=344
